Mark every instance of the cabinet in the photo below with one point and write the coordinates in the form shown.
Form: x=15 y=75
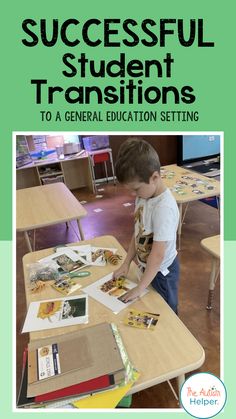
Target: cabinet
x=74 y=172
x=50 y=173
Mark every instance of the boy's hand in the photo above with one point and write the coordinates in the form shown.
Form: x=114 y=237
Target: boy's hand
x=122 y=271
x=131 y=295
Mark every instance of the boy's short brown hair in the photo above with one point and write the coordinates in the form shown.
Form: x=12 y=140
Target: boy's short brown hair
x=136 y=160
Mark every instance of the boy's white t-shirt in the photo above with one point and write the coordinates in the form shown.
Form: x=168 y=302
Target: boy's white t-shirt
x=156 y=219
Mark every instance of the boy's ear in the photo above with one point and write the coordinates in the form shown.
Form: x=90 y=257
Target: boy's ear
x=155 y=176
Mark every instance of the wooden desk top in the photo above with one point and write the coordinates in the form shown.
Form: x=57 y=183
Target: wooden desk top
x=212 y=245
x=187 y=185
x=45 y=205
x=100 y=151
x=166 y=352
x=53 y=158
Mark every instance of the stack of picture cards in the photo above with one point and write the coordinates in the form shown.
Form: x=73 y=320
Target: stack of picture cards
x=109 y=291
x=81 y=251
x=71 y=365
x=50 y=314
x=65 y=284
x=65 y=260
x=91 y=255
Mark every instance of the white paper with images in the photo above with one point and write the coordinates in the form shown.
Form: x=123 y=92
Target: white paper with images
x=65 y=259
x=60 y=252
x=83 y=251
x=60 y=312
x=108 y=292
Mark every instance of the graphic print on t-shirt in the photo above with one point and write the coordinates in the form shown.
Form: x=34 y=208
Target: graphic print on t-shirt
x=143 y=241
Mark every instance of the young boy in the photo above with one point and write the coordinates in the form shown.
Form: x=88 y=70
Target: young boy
x=156 y=222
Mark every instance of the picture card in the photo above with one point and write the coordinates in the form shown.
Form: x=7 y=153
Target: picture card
x=141 y=319
x=65 y=285
x=98 y=255
x=108 y=291
x=50 y=314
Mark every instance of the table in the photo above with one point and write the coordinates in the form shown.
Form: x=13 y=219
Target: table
x=212 y=246
x=188 y=186
x=46 y=205
x=169 y=351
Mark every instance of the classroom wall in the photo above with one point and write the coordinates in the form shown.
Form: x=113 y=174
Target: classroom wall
x=165 y=145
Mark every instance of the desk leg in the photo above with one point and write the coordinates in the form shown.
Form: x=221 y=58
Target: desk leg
x=212 y=283
x=28 y=241
x=34 y=239
x=105 y=165
x=180 y=225
x=180 y=380
x=80 y=230
x=173 y=390
x=91 y=165
x=112 y=168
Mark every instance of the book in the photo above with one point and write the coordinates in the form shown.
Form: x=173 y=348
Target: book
x=108 y=399
x=97 y=384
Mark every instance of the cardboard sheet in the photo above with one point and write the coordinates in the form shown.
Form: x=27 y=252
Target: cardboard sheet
x=72 y=354
x=105 y=357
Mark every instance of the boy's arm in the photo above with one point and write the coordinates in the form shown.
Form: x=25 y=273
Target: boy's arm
x=153 y=266
x=131 y=252
x=123 y=270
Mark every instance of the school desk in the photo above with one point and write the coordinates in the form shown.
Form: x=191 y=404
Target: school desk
x=188 y=186
x=212 y=246
x=167 y=352
x=42 y=206
x=75 y=169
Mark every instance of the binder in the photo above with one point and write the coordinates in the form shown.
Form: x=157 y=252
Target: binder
x=100 y=383
x=107 y=399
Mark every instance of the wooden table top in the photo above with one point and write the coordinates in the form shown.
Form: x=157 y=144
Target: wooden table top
x=45 y=205
x=53 y=158
x=212 y=245
x=187 y=185
x=159 y=355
